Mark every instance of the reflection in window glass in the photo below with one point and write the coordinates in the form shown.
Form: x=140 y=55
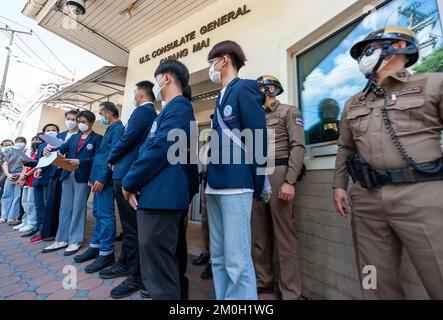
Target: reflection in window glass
x=328 y=76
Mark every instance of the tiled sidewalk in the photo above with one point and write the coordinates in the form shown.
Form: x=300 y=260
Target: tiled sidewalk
x=26 y=274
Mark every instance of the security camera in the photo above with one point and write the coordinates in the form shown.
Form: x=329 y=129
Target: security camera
x=76 y=7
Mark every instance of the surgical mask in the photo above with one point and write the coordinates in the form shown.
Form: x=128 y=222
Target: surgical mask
x=83 y=127
x=157 y=91
x=35 y=145
x=104 y=121
x=7 y=149
x=71 y=124
x=52 y=133
x=368 y=63
x=20 y=145
x=215 y=76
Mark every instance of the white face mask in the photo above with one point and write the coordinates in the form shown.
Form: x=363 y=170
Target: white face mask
x=71 y=124
x=215 y=76
x=157 y=91
x=51 y=133
x=20 y=145
x=83 y=127
x=368 y=63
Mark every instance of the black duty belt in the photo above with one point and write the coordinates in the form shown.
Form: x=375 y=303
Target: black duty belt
x=281 y=162
x=360 y=171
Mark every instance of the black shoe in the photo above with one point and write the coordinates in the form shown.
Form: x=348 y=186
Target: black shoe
x=265 y=290
x=100 y=263
x=145 y=294
x=201 y=260
x=89 y=254
x=127 y=288
x=207 y=273
x=117 y=270
x=29 y=233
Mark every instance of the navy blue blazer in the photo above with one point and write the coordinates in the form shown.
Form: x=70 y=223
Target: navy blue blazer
x=162 y=185
x=241 y=108
x=100 y=168
x=125 y=152
x=85 y=155
x=48 y=172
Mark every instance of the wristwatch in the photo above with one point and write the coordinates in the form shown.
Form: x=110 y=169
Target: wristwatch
x=292 y=183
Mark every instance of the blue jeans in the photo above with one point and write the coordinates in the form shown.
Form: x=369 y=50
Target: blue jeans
x=105 y=223
x=229 y=218
x=11 y=201
x=40 y=201
x=28 y=203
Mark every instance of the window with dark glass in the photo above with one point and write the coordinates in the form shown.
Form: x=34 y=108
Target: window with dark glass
x=328 y=76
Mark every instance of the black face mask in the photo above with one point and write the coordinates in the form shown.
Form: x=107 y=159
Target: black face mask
x=35 y=145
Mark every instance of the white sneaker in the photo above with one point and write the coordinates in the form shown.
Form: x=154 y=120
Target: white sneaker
x=26 y=228
x=72 y=248
x=21 y=225
x=2 y=221
x=55 y=246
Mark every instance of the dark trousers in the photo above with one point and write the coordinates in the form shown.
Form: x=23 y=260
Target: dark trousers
x=159 y=233
x=181 y=253
x=40 y=201
x=52 y=209
x=129 y=255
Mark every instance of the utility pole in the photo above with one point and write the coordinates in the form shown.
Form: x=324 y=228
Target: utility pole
x=13 y=32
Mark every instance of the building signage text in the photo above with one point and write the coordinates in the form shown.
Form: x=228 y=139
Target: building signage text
x=178 y=44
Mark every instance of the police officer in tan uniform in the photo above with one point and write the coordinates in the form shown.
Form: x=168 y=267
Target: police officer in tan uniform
x=390 y=146
x=273 y=222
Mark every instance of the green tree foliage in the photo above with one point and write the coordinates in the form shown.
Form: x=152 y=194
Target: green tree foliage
x=431 y=63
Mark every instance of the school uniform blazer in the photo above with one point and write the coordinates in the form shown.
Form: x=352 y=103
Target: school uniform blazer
x=241 y=108
x=85 y=155
x=125 y=152
x=162 y=185
x=48 y=172
x=100 y=168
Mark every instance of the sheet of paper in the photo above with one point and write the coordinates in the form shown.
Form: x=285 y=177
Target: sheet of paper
x=46 y=161
x=51 y=140
x=22 y=155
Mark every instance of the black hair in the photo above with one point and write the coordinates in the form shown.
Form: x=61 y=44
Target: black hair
x=73 y=112
x=187 y=92
x=36 y=137
x=50 y=125
x=7 y=140
x=146 y=86
x=88 y=115
x=231 y=49
x=21 y=139
x=177 y=69
x=109 y=106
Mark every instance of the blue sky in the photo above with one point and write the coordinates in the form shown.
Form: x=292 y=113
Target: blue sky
x=24 y=80
x=338 y=75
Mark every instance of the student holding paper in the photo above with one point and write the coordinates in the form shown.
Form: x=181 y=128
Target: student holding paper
x=50 y=221
x=80 y=151
x=26 y=180
x=44 y=188
x=12 y=166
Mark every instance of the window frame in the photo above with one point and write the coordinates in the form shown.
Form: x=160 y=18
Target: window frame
x=328 y=148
